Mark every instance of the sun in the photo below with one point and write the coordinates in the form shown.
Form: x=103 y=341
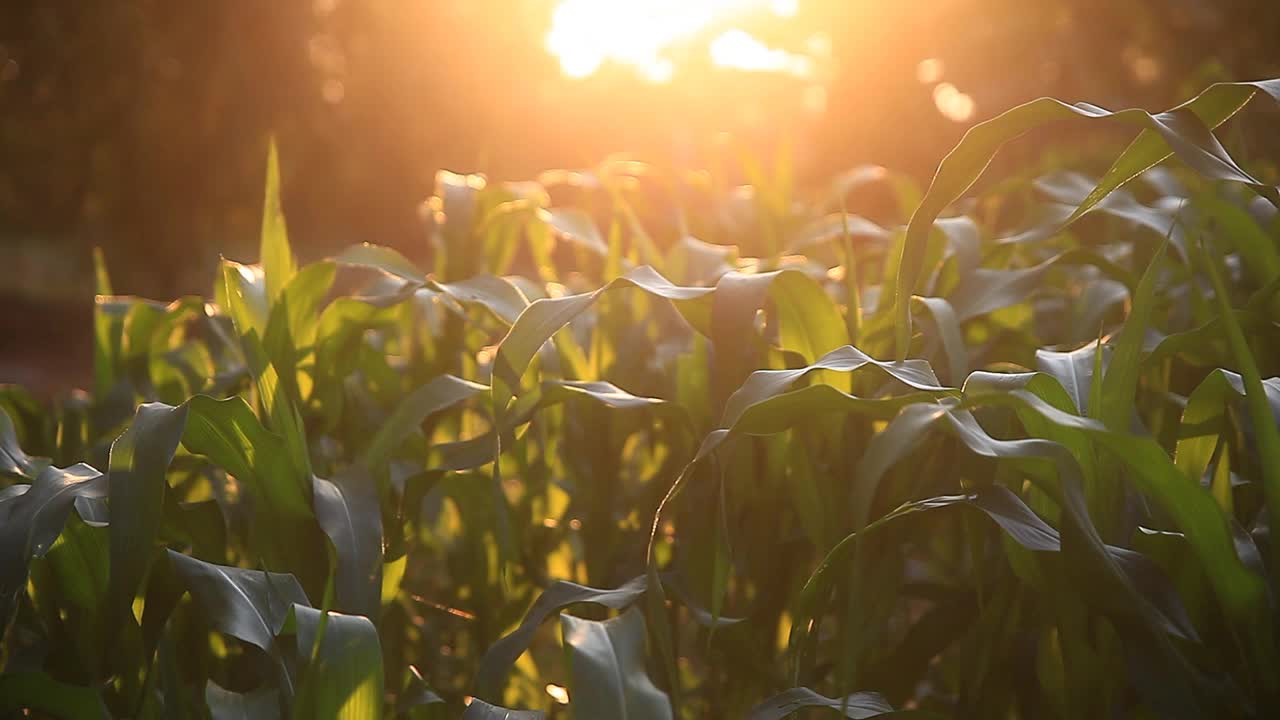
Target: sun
x=586 y=34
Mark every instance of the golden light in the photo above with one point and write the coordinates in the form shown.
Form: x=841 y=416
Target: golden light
x=586 y=34
x=738 y=50
x=952 y=103
x=930 y=71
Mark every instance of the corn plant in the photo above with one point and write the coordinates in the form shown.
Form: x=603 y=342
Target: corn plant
x=1012 y=454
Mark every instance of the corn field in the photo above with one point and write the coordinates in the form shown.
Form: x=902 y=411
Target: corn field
x=643 y=445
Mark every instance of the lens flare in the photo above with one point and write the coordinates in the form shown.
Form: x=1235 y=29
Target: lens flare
x=953 y=104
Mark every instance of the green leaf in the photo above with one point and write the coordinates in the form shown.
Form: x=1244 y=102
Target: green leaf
x=80 y=560
x=350 y=515
x=606 y=663
x=1266 y=429
x=108 y=330
x=382 y=258
x=540 y=321
x=858 y=706
x=808 y=322
x=495 y=294
x=344 y=679
x=106 y=327
x=136 y=485
x=542 y=318
x=460 y=198
x=241 y=292
x=500 y=656
x=1120 y=382
x=985 y=290
x=736 y=350
x=1013 y=517
x=292 y=325
x=1074 y=369
x=276 y=386
x=101 y=278
x=249 y=605
x=762 y=406
x=278 y=264
x=1192 y=510
x=947 y=326
x=1184 y=130
x=442 y=392
x=1203 y=417
x=765 y=384
x=1069 y=190
x=900 y=438
x=1256 y=247
x=34 y=519
x=229 y=434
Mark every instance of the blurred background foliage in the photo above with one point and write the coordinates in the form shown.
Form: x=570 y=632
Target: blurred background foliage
x=139 y=126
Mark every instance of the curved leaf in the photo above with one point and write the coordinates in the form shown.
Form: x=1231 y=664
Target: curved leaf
x=859 y=705
x=350 y=515
x=948 y=327
x=602 y=392
x=382 y=258
x=542 y=318
x=1073 y=369
x=606 y=663
x=495 y=294
x=1120 y=381
x=1185 y=130
x=440 y=393
x=765 y=384
x=1021 y=524
x=34 y=520
x=1191 y=509
x=500 y=656
x=249 y=605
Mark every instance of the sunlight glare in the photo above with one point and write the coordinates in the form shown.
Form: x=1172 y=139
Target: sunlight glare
x=785 y=8
x=558 y=693
x=738 y=50
x=585 y=34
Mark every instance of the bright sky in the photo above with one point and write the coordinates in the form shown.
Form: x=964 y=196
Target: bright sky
x=644 y=36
